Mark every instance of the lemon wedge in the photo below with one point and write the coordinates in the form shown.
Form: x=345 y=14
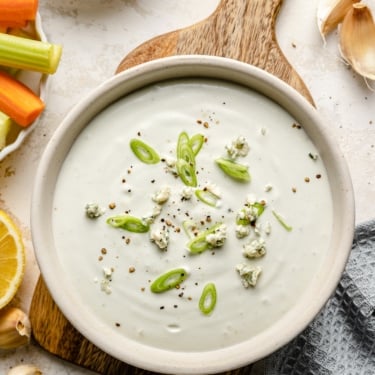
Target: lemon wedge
x=12 y=259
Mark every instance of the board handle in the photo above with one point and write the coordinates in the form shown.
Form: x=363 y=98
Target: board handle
x=239 y=29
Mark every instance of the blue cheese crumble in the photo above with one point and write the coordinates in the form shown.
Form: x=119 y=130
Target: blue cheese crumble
x=218 y=237
x=268 y=188
x=160 y=237
x=242 y=230
x=93 y=210
x=255 y=248
x=187 y=193
x=170 y=165
x=149 y=219
x=249 y=274
x=238 y=147
x=105 y=283
x=162 y=195
x=249 y=212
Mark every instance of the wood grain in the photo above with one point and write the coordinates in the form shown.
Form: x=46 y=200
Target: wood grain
x=238 y=29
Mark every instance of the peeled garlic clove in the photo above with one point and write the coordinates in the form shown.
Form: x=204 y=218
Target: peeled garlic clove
x=25 y=370
x=331 y=13
x=15 y=328
x=357 y=40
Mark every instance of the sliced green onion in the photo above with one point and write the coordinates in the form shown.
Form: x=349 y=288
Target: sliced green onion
x=129 y=223
x=186 y=153
x=207 y=301
x=260 y=207
x=199 y=244
x=196 y=143
x=144 y=152
x=232 y=169
x=185 y=164
x=183 y=139
x=281 y=220
x=186 y=172
x=207 y=197
x=5 y=122
x=168 y=280
x=23 y=53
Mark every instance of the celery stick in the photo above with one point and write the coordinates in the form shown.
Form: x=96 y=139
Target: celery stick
x=23 y=53
x=5 y=123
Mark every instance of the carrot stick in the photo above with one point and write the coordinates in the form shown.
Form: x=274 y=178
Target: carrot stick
x=19 y=102
x=12 y=24
x=18 y=10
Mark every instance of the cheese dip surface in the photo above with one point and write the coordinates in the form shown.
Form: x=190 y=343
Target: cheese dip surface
x=265 y=235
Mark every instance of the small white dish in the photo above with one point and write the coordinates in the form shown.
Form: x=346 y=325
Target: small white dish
x=39 y=84
x=81 y=164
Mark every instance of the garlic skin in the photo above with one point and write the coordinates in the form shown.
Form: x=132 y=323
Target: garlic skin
x=331 y=13
x=15 y=328
x=25 y=370
x=357 y=40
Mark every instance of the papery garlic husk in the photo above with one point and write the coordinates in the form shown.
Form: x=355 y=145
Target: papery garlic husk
x=331 y=13
x=15 y=328
x=357 y=40
x=25 y=370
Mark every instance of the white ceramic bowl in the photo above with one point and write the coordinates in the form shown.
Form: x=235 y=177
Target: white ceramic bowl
x=83 y=307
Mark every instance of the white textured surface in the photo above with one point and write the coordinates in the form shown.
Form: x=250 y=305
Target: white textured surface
x=97 y=34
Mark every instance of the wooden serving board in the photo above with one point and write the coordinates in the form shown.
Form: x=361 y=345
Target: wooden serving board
x=238 y=29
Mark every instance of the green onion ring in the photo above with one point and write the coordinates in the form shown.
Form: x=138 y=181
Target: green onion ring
x=186 y=172
x=168 y=280
x=207 y=301
x=144 y=152
x=196 y=143
x=129 y=223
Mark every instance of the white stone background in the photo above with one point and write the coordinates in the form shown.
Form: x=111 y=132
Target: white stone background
x=97 y=34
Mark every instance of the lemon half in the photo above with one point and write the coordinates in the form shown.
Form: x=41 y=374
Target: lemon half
x=12 y=259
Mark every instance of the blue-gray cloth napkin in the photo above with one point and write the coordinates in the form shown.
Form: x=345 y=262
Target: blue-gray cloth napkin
x=341 y=339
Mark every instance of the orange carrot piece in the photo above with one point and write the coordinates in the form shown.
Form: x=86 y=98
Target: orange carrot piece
x=4 y=25
x=19 y=102
x=18 y=10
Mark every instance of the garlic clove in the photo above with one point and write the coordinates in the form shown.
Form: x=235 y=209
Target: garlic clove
x=25 y=370
x=15 y=328
x=357 y=40
x=332 y=12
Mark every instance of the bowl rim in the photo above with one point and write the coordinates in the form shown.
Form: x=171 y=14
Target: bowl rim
x=238 y=355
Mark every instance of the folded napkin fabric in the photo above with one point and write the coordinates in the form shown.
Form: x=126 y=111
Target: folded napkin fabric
x=341 y=339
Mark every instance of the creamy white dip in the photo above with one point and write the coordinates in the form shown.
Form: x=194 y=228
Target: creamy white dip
x=101 y=168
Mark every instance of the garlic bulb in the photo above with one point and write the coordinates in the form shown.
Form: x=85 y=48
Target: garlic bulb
x=357 y=40
x=331 y=13
x=15 y=328
x=25 y=370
